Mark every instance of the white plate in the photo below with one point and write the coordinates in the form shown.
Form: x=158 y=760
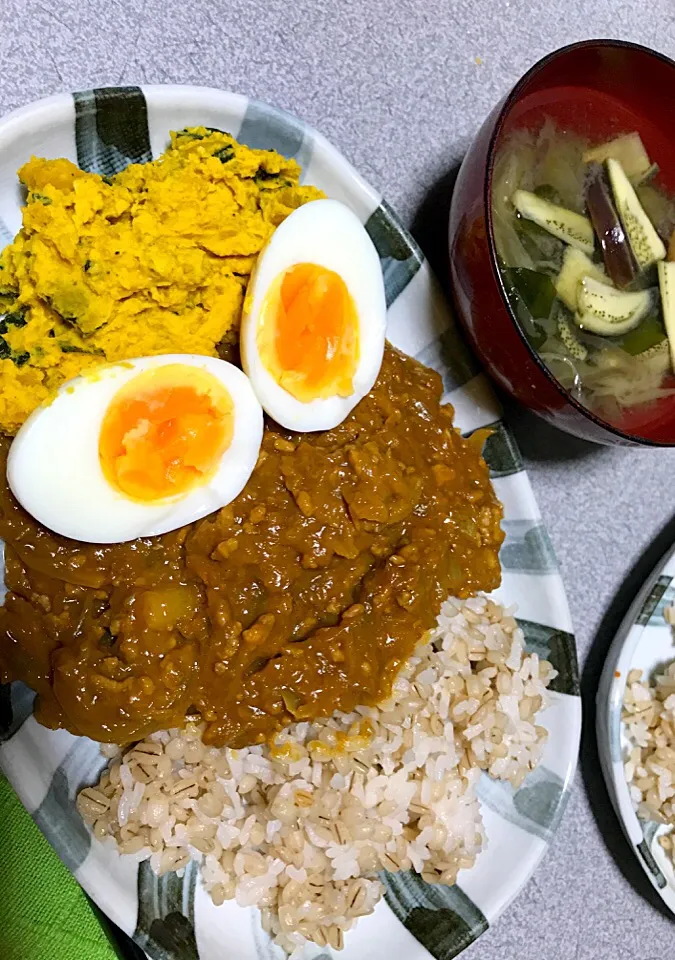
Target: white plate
x=644 y=642
x=172 y=917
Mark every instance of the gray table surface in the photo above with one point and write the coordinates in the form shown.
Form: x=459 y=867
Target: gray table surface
x=400 y=86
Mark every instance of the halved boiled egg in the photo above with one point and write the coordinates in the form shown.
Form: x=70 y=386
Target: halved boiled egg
x=138 y=448
x=312 y=334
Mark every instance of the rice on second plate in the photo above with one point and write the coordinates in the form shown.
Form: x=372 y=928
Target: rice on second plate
x=300 y=828
x=649 y=724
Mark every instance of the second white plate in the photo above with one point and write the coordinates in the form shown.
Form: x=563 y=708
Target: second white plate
x=644 y=642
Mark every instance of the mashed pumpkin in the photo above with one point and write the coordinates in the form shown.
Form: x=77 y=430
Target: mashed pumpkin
x=153 y=260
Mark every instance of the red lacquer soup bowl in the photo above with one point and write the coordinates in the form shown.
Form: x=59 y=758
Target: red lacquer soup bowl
x=599 y=89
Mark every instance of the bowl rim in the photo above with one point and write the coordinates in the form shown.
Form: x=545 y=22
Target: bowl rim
x=504 y=109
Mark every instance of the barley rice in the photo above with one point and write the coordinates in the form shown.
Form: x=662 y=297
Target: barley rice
x=649 y=723
x=301 y=827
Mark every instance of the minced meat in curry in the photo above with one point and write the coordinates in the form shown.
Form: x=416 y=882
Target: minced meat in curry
x=303 y=596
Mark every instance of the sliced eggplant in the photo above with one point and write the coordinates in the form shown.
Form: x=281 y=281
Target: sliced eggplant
x=629 y=150
x=661 y=349
x=647 y=245
x=576 y=265
x=562 y=223
x=647 y=176
x=667 y=287
x=659 y=208
x=575 y=348
x=616 y=250
x=658 y=357
x=609 y=312
x=671 y=247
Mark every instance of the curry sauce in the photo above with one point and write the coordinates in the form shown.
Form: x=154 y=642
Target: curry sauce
x=303 y=596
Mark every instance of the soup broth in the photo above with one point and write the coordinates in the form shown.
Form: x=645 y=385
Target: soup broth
x=582 y=232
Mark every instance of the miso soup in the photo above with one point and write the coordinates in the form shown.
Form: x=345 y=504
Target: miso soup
x=584 y=239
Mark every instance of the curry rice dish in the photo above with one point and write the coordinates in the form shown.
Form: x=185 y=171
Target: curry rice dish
x=283 y=641
x=311 y=589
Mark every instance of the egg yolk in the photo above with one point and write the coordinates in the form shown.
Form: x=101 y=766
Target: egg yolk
x=165 y=432
x=308 y=333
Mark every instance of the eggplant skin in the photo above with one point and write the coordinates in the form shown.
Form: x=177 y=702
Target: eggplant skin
x=616 y=250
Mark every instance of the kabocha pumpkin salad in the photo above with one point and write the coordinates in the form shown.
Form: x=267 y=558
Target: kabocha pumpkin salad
x=153 y=260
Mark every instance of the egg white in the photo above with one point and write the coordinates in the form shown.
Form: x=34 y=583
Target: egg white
x=327 y=233
x=54 y=472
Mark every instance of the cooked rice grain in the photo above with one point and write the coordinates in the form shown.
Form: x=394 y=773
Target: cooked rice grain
x=301 y=827
x=649 y=723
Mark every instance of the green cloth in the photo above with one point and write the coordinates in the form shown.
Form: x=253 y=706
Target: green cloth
x=44 y=913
